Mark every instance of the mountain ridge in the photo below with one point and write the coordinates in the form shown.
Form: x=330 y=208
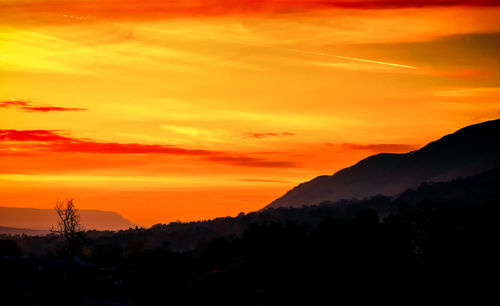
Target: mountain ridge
x=468 y=151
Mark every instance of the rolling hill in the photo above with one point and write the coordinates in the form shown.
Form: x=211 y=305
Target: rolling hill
x=469 y=151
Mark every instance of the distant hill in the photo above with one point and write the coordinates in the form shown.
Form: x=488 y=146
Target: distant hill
x=43 y=219
x=469 y=151
x=22 y=231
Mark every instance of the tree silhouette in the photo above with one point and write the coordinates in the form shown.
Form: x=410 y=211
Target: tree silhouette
x=69 y=225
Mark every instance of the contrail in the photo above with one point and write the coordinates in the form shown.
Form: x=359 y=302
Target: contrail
x=375 y=62
x=254 y=44
x=351 y=58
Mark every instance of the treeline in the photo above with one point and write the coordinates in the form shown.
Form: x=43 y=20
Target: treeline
x=187 y=236
x=440 y=238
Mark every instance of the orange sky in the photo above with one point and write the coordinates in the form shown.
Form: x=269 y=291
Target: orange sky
x=187 y=110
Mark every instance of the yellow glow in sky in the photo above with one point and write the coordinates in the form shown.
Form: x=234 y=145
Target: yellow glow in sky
x=209 y=109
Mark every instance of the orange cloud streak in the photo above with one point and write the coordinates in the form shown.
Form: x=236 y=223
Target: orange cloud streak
x=28 y=107
x=150 y=9
x=381 y=148
x=51 y=141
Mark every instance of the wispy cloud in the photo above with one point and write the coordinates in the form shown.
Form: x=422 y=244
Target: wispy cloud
x=468 y=73
x=246 y=161
x=379 y=148
x=265 y=135
x=139 y=9
x=265 y=181
x=29 y=107
x=190 y=132
x=470 y=92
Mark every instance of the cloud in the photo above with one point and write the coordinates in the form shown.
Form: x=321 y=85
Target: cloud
x=13 y=104
x=265 y=135
x=52 y=109
x=468 y=73
x=122 y=148
x=246 y=161
x=195 y=133
x=52 y=141
x=265 y=181
x=87 y=10
x=395 y=4
x=32 y=135
x=28 y=107
x=379 y=148
x=470 y=92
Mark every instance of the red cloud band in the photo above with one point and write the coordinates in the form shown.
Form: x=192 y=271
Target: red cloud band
x=149 y=9
x=28 y=107
x=49 y=140
x=54 y=142
x=32 y=135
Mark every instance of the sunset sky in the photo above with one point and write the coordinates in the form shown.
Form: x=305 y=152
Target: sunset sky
x=165 y=110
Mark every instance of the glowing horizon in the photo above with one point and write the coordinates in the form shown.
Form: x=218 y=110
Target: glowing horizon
x=187 y=110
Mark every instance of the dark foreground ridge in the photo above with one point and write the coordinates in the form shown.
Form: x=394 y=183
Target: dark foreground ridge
x=469 y=151
x=437 y=240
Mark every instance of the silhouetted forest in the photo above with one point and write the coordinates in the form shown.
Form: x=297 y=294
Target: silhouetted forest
x=440 y=238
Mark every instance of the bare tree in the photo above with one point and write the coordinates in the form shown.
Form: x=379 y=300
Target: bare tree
x=69 y=225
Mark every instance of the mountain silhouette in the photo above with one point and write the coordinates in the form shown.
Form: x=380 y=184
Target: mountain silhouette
x=44 y=219
x=22 y=231
x=469 y=151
